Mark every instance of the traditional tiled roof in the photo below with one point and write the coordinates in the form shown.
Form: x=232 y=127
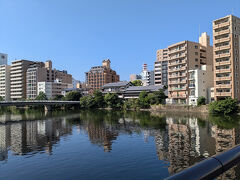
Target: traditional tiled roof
x=116 y=84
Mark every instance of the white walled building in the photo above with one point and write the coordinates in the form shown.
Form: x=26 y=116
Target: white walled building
x=3 y=59
x=45 y=87
x=200 y=82
x=5 y=82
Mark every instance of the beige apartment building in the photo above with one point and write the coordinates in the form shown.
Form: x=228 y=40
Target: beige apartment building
x=226 y=38
x=182 y=57
x=5 y=82
x=18 y=78
x=161 y=67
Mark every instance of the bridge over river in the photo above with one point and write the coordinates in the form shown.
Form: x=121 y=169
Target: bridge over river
x=46 y=103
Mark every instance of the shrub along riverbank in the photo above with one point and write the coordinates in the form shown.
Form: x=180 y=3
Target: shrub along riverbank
x=111 y=100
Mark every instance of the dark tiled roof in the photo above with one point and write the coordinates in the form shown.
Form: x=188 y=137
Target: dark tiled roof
x=151 y=88
x=116 y=84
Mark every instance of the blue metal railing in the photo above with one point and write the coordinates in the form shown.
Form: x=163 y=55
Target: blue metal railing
x=210 y=167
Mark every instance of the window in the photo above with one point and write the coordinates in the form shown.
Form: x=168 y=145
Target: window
x=196 y=60
x=196 y=47
x=236 y=66
x=196 y=66
x=196 y=53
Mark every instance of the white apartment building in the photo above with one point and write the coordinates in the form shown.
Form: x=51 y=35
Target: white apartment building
x=18 y=78
x=200 y=84
x=51 y=89
x=45 y=87
x=5 y=82
x=3 y=59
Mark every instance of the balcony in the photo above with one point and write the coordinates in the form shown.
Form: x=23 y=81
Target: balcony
x=227 y=31
x=176 y=50
x=223 y=70
x=177 y=69
x=224 y=86
x=177 y=63
x=178 y=96
x=191 y=85
x=222 y=63
x=222 y=55
x=221 y=25
x=222 y=48
x=223 y=94
x=177 y=89
x=223 y=79
x=177 y=57
x=221 y=40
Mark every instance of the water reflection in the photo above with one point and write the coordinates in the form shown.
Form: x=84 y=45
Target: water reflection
x=180 y=141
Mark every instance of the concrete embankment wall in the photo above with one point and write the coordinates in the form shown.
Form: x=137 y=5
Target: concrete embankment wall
x=180 y=108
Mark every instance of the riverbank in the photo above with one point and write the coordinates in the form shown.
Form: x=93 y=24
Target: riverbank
x=180 y=108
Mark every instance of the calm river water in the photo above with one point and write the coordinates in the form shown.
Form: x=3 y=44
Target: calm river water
x=110 y=144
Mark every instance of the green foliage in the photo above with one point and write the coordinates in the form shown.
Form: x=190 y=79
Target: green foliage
x=1 y=98
x=131 y=104
x=161 y=97
x=41 y=96
x=201 y=101
x=137 y=83
x=226 y=106
x=112 y=100
x=73 y=96
x=144 y=100
x=225 y=122
x=87 y=102
x=99 y=99
x=58 y=97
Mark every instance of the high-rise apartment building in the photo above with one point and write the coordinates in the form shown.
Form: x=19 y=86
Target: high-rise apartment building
x=161 y=67
x=182 y=57
x=18 y=78
x=226 y=44
x=100 y=75
x=5 y=82
x=3 y=59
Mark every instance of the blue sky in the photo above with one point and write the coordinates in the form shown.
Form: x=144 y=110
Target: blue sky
x=78 y=34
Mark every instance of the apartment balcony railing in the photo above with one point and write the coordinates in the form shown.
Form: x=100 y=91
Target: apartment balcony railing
x=178 y=82
x=178 y=89
x=191 y=86
x=223 y=86
x=177 y=69
x=227 y=31
x=223 y=70
x=223 y=78
x=177 y=50
x=178 y=96
x=177 y=63
x=222 y=63
x=222 y=48
x=221 y=25
x=221 y=40
x=177 y=57
x=223 y=94
x=222 y=55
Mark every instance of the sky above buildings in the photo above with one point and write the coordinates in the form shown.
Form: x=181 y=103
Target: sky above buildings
x=79 y=34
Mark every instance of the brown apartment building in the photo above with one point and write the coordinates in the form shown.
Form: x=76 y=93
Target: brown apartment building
x=226 y=38
x=100 y=75
x=182 y=57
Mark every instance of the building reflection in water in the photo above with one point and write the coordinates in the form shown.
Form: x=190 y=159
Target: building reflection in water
x=181 y=143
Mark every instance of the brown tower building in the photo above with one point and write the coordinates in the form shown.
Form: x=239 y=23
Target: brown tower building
x=100 y=75
x=226 y=33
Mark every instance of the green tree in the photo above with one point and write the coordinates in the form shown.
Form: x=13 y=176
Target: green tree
x=201 y=101
x=58 y=97
x=143 y=100
x=73 y=96
x=226 y=106
x=1 y=98
x=98 y=98
x=112 y=100
x=137 y=83
x=41 y=96
x=161 y=97
x=87 y=102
